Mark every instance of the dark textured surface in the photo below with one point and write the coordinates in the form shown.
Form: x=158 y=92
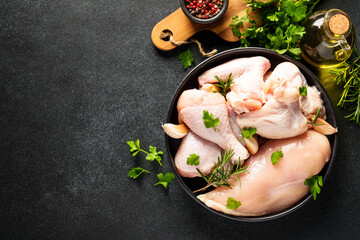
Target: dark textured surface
x=80 y=78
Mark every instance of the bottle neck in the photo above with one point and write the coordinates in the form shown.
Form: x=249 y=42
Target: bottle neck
x=337 y=24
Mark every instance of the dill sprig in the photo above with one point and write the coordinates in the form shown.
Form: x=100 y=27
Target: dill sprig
x=348 y=74
x=223 y=171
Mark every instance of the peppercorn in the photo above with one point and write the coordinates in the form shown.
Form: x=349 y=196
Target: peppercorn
x=204 y=8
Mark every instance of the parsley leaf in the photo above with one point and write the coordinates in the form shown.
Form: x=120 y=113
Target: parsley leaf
x=187 y=58
x=303 y=91
x=315 y=182
x=276 y=156
x=165 y=179
x=209 y=120
x=248 y=132
x=224 y=86
x=152 y=155
x=280 y=30
x=232 y=203
x=193 y=159
x=135 y=172
x=134 y=147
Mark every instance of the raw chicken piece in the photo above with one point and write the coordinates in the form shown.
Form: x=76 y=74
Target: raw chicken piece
x=191 y=105
x=207 y=151
x=275 y=120
x=284 y=81
x=281 y=116
x=269 y=188
x=236 y=67
x=247 y=90
x=310 y=104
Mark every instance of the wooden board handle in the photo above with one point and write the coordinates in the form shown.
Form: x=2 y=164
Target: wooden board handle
x=182 y=28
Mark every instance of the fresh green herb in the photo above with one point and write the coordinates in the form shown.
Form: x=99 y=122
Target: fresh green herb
x=276 y=156
x=315 y=183
x=165 y=179
x=152 y=155
x=209 y=120
x=348 y=75
x=193 y=159
x=136 y=171
x=232 y=203
x=303 y=91
x=315 y=119
x=248 y=132
x=134 y=147
x=280 y=30
x=223 y=171
x=186 y=58
x=224 y=86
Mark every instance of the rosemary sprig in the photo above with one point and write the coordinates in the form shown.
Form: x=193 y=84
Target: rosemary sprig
x=348 y=75
x=223 y=171
x=224 y=86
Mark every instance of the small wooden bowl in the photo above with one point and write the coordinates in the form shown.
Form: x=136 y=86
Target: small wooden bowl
x=205 y=20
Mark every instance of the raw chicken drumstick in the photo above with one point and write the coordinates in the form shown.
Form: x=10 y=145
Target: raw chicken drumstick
x=191 y=105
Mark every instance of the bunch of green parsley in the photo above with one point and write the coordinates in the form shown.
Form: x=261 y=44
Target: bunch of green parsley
x=276 y=25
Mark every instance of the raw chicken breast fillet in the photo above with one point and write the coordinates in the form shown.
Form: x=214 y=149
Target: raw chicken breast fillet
x=269 y=188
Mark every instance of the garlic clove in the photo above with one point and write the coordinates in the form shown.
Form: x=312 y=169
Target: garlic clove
x=175 y=131
x=251 y=145
x=325 y=129
x=210 y=88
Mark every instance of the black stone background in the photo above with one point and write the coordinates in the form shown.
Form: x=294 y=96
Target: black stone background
x=79 y=78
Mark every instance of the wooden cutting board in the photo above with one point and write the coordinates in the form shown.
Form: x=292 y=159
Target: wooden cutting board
x=182 y=28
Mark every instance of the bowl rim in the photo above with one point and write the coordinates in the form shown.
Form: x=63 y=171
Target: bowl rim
x=204 y=21
x=255 y=51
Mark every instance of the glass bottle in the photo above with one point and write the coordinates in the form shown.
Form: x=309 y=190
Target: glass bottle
x=329 y=39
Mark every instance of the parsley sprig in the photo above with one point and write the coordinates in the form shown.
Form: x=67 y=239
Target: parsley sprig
x=186 y=58
x=193 y=159
x=303 y=91
x=315 y=183
x=210 y=121
x=165 y=179
x=276 y=156
x=280 y=30
x=152 y=155
x=223 y=171
x=224 y=85
x=247 y=132
x=136 y=171
x=232 y=203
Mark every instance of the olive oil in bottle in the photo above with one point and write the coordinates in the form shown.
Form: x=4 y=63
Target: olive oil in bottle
x=329 y=39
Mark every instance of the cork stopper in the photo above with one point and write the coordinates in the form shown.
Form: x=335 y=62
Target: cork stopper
x=339 y=24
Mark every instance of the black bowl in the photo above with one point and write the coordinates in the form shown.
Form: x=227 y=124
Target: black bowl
x=190 y=81
x=204 y=21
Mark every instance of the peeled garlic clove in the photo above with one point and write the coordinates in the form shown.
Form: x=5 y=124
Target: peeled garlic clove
x=180 y=121
x=251 y=145
x=325 y=129
x=210 y=88
x=175 y=131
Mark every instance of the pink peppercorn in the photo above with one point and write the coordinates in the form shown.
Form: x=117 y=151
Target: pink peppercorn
x=204 y=8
